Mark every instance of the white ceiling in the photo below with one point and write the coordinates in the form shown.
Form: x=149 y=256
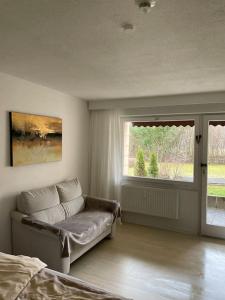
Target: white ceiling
x=78 y=46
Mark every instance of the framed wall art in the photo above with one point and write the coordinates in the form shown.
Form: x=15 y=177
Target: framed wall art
x=35 y=139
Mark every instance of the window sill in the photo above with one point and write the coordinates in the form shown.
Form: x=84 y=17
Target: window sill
x=143 y=181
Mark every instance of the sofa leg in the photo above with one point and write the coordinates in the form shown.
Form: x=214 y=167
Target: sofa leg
x=110 y=236
x=65 y=268
x=113 y=231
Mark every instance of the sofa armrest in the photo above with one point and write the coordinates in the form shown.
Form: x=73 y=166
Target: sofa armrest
x=96 y=203
x=17 y=216
x=31 y=241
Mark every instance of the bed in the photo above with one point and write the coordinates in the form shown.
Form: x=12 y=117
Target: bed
x=23 y=277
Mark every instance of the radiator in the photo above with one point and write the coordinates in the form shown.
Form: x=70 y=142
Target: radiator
x=151 y=201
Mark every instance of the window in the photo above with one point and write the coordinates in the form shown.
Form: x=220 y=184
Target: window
x=159 y=149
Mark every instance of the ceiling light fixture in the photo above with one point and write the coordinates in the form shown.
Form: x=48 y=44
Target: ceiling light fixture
x=145 y=5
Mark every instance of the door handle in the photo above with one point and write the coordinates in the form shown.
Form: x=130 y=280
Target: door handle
x=203 y=165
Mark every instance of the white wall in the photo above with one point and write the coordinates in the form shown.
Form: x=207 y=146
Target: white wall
x=22 y=96
x=191 y=101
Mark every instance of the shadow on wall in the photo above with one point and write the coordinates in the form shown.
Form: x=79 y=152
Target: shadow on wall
x=7 y=142
x=7 y=204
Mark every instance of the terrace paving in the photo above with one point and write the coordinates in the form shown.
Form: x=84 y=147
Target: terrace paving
x=216 y=216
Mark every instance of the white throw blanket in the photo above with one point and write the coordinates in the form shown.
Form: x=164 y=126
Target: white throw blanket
x=15 y=274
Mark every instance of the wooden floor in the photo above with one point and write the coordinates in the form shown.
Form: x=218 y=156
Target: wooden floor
x=150 y=264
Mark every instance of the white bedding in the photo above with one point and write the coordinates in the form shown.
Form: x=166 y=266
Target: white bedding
x=26 y=278
x=15 y=273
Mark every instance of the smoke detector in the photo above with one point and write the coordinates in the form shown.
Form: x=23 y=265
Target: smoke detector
x=145 y=5
x=128 y=27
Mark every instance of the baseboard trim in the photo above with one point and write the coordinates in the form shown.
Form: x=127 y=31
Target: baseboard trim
x=154 y=222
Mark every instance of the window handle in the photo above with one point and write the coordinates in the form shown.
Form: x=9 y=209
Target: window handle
x=198 y=138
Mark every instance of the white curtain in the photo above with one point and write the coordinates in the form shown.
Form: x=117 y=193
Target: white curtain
x=105 y=154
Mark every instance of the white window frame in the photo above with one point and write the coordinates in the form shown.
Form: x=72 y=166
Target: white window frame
x=166 y=182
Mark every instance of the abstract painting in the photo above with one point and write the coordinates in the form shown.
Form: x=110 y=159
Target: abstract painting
x=34 y=139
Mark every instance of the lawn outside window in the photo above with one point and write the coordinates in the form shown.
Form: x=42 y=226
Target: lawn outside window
x=159 y=149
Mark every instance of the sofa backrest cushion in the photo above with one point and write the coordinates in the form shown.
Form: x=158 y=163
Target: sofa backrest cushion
x=32 y=201
x=73 y=207
x=70 y=195
x=69 y=190
x=50 y=215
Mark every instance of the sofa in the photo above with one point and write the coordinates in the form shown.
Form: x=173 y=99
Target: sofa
x=58 y=223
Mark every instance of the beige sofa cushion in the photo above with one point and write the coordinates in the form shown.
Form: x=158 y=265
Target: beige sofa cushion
x=70 y=194
x=35 y=200
x=73 y=207
x=50 y=215
x=69 y=190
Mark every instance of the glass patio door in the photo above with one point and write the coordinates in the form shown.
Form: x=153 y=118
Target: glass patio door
x=213 y=176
